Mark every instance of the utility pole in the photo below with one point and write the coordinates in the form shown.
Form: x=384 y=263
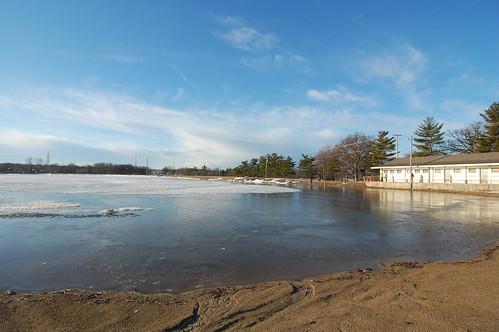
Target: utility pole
x=48 y=158
x=323 y=176
x=266 y=165
x=397 y=143
x=410 y=164
x=147 y=165
x=311 y=174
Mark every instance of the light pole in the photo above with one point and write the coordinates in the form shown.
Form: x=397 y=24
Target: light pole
x=266 y=165
x=410 y=163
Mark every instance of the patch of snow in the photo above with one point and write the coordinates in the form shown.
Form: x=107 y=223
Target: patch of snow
x=113 y=211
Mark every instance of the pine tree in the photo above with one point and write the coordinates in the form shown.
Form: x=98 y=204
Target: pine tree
x=382 y=149
x=430 y=138
x=490 y=139
x=306 y=166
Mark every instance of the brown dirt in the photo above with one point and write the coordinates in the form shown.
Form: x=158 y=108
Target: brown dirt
x=440 y=296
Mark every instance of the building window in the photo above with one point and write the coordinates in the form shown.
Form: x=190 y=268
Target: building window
x=471 y=170
x=457 y=170
x=392 y=171
x=494 y=170
x=399 y=171
x=426 y=171
x=437 y=170
x=417 y=171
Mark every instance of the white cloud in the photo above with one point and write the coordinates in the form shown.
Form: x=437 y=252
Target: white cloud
x=463 y=107
x=178 y=95
x=266 y=51
x=244 y=37
x=183 y=76
x=401 y=66
x=340 y=95
x=326 y=134
x=18 y=139
x=294 y=59
x=123 y=125
x=283 y=61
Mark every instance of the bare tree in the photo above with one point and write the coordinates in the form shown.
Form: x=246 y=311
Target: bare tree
x=466 y=140
x=354 y=154
x=327 y=163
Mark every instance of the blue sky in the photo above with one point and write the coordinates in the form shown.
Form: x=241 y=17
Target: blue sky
x=217 y=82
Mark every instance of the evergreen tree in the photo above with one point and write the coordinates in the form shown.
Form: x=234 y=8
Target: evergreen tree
x=382 y=149
x=490 y=139
x=430 y=138
x=277 y=166
x=306 y=166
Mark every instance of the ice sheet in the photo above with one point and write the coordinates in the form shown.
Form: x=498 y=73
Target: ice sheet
x=36 y=205
x=127 y=185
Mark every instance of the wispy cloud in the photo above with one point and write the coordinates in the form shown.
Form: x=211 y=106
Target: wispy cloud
x=325 y=134
x=265 y=48
x=193 y=136
x=184 y=78
x=401 y=66
x=178 y=95
x=464 y=107
x=242 y=36
x=19 y=139
x=340 y=95
x=279 y=60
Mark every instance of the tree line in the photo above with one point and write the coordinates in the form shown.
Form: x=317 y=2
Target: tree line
x=354 y=155
x=98 y=168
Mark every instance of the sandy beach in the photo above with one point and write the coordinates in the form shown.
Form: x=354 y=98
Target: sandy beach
x=438 y=296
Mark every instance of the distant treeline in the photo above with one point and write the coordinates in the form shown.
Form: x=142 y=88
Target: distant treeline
x=99 y=168
x=193 y=171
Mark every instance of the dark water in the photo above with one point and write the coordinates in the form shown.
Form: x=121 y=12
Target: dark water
x=210 y=240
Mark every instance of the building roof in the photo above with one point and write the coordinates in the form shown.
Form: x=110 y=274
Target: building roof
x=478 y=158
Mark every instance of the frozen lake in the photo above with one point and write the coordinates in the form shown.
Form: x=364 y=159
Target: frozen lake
x=173 y=234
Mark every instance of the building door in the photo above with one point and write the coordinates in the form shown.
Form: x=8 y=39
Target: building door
x=484 y=175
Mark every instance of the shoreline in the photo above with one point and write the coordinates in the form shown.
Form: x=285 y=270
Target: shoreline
x=355 y=185
x=441 y=191
x=441 y=295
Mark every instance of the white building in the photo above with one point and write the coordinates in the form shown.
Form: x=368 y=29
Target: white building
x=480 y=168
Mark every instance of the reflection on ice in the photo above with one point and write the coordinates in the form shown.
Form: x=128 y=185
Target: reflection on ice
x=435 y=205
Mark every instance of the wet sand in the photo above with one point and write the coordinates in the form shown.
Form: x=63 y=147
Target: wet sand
x=439 y=296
